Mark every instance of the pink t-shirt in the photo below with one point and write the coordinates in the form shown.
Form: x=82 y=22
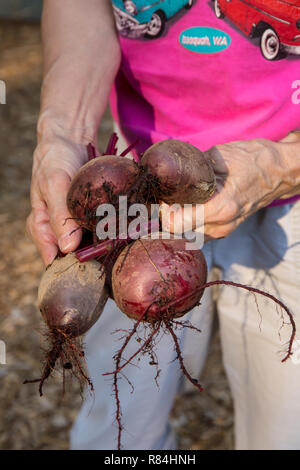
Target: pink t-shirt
x=190 y=75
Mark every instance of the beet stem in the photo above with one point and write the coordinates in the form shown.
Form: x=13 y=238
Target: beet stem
x=91 y=152
x=96 y=251
x=105 y=247
x=129 y=148
x=111 y=147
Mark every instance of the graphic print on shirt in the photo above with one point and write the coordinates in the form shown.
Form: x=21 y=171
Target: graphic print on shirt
x=275 y=22
x=146 y=18
x=204 y=40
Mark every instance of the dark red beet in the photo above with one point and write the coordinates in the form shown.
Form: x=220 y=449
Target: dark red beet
x=150 y=274
x=99 y=181
x=184 y=174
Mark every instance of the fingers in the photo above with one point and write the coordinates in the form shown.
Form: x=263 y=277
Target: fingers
x=49 y=225
x=39 y=230
x=65 y=229
x=185 y=219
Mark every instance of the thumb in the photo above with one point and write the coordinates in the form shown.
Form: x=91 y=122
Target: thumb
x=293 y=136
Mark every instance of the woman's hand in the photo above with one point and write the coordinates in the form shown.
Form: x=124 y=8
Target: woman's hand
x=78 y=73
x=250 y=175
x=49 y=224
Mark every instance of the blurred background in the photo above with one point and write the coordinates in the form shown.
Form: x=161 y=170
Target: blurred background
x=201 y=421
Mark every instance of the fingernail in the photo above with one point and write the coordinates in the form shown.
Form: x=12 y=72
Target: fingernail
x=65 y=242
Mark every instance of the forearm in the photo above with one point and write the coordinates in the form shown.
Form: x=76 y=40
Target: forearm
x=81 y=59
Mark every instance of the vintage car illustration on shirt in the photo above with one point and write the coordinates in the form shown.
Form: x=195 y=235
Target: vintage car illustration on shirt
x=275 y=22
x=136 y=18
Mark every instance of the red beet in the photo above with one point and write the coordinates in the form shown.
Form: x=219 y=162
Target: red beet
x=183 y=173
x=100 y=181
x=155 y=282
x=152 y=274
x=72 y=295
x=71 y=298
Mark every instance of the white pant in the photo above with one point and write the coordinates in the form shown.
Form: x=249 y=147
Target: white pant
x=264 y=252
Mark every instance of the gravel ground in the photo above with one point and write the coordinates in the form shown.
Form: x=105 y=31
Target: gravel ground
x=201 y=421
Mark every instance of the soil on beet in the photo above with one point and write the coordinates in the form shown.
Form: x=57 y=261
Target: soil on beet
x=201 y=421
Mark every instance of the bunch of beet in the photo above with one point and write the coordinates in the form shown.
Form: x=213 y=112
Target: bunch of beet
x=154 y=281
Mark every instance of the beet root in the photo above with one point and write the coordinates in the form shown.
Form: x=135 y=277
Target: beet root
x=71 y=298
x=183 y=172
x=100 y=181
x=155 y=281
x=72 y=295
x=150 y=274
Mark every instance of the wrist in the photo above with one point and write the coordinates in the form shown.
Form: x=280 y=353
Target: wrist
x=52 y=125
x=289 y=152
x=55 y=149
